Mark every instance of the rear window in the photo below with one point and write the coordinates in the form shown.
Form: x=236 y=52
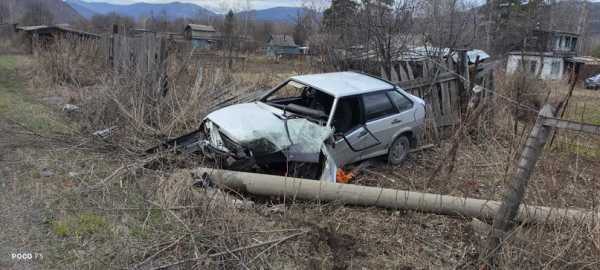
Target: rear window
x=378 y=105
x=401 y=101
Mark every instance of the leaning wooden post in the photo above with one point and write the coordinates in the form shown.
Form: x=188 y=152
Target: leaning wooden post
x=504 y=218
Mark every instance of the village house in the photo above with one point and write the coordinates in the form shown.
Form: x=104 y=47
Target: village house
x=201 y=36
x=282 y=45
x=48 y=33
x=40 y=36
x=547 y=53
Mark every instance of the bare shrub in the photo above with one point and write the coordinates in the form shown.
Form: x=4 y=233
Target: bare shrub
x=71 y=61
x=528 y=91
x=135 y=100
x=11 y=42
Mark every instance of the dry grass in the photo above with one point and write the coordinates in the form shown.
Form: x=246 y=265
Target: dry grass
x=102 y=209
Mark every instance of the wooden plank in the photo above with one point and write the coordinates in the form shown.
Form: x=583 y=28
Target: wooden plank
x=394 y=74
x=446 y=108
x=423 y=82
x=435 y=102
x=402 y=73
x=409 y=70
x=425 y=69
x=454 y=99
x=450 y=63
x=572 y=125
x=383 y=75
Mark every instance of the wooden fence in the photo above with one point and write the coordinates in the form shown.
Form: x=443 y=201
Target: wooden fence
x=445 y=85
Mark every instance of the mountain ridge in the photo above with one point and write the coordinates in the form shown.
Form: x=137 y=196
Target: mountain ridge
x=59 y=11
x=177 y=9
x=138 y=10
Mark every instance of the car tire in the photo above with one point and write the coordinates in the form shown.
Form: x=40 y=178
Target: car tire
x=399 y=150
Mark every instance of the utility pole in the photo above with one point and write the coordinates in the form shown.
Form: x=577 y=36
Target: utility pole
x=505 y=216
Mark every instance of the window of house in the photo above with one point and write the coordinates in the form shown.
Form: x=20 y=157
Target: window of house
x=532 y=66
x=402 y=102
x=520 y=64
x=378 y=105
x=555 y=68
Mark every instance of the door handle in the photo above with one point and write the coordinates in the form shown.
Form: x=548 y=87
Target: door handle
x=362 y=134
x=396 y=121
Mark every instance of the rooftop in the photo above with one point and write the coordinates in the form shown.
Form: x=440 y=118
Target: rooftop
x=201 y=27
x=282 y=41
x=59 y=27
x=340 y=84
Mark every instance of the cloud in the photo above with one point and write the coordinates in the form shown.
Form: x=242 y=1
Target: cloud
x=224 y=5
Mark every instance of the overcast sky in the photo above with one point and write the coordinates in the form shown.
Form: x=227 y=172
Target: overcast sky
x=224 y=5
x=220 y=5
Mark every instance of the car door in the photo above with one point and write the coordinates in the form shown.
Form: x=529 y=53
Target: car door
x=351 y=137
x=386 y=113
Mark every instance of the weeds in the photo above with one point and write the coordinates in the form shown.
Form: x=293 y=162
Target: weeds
x=85 y=224
x=97 y=211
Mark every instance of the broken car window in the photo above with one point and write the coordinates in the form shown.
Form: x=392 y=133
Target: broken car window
x=301 y=99
x=347 y=115
x=290 y=90
x=378 y=105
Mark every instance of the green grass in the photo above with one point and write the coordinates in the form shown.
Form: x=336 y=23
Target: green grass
x=85 y=224
x=17 y=107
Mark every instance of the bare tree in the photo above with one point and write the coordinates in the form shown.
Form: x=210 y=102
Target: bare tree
x=104 y=23
x=303 y=26
x=447 y=24
x=37 y=13
x=511 y=21
x=385 y=29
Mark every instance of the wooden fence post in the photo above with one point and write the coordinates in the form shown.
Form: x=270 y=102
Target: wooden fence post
x=465 y=82
x=111 y=52
x=162 y=67
x=505 y=216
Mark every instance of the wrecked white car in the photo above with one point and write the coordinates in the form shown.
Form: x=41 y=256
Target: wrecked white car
x=311 y=124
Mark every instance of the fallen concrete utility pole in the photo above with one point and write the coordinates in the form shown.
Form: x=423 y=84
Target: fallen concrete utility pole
x=295 y=188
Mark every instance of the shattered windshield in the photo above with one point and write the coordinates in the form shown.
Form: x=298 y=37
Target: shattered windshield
x=303 y=136
x=301 y=99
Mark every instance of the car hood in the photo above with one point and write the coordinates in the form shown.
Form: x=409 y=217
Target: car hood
x=258 y=125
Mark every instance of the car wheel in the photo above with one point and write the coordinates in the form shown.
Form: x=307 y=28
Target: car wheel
x=399 y=150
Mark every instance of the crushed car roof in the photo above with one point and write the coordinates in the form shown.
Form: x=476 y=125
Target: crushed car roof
x=340 y=84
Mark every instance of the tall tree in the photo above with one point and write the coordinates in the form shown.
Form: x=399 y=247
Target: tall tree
x=302 y=27
x=339 y=15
